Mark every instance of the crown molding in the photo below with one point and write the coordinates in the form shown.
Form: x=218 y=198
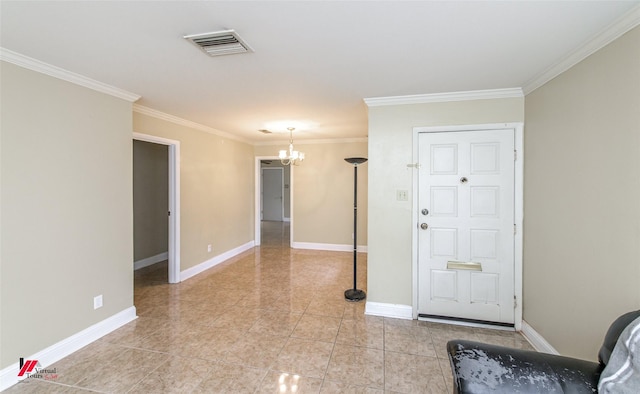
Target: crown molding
x=57 y=72
x=141 y=109
x=445 y=97
x=619 y=27
x=314 y=142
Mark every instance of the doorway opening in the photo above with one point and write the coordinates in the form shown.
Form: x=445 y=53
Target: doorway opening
x=171 y=149
x=273 y=195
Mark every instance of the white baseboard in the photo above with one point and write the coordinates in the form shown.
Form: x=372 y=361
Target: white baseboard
x=536 y=340
x=331 y=247
x=193 y=271
x=397 y=311
x=150 y=260
x=60 y=350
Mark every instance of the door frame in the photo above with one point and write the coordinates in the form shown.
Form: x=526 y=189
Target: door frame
x=281 y=171
x=518 y=129
x=257 y=199
x=174 y=201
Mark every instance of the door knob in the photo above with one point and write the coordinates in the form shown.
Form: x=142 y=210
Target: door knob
x=424 y=226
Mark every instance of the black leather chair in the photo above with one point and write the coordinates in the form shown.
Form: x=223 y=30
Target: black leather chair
x=483 y=368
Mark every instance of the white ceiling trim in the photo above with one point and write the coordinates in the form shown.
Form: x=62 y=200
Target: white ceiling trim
x=57 y=72
x=614 y=31
x=187 y=123
x=445 y=97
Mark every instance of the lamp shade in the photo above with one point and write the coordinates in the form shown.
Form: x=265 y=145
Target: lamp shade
x=355 y=160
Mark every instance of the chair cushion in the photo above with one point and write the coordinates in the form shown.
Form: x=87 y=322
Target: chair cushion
x=622 y=373
x=614 y=332
x=483 y=368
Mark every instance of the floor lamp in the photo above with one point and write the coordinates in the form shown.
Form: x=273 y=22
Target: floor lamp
x=355 y=294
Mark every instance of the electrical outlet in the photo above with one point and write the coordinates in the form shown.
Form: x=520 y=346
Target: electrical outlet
x=209 y=248
x=97 y=302
x=402 y=195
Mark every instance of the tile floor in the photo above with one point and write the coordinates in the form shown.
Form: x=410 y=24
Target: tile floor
x=272 y=320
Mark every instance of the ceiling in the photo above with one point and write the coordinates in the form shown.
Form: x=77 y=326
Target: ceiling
x=313 y=62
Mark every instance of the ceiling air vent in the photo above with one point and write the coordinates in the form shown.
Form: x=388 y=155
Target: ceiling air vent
x=226 y=42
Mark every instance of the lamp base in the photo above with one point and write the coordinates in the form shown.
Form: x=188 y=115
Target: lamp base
x=355 y=295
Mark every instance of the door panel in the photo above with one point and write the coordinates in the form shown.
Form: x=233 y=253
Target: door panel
x=467 y=186
x=272 y=193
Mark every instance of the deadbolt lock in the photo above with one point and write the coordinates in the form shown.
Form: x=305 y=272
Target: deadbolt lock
x=425 y=211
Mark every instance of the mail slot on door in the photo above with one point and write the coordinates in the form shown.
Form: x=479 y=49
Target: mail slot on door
x=464 y=265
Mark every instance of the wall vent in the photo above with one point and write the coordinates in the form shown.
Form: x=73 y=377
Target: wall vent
x=226 y=42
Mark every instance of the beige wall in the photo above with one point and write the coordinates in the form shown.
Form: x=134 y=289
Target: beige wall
x=150 y=199
x=323 y=192
x=216 y=189
x=582 y=199
x=390 y=150
x=66 y=210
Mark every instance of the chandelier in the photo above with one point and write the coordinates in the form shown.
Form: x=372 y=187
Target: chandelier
x=293 y=157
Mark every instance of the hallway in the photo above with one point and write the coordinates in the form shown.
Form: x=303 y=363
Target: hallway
x=271 y=320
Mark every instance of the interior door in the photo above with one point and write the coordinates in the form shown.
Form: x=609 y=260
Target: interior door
x=466 y=218
x=272 y=192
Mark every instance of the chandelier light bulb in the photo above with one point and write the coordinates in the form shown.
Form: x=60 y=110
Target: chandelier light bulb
x=293 y=157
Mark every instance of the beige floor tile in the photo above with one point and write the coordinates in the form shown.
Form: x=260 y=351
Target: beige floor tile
x=132 y=333
x=124 y=372
x=211 y=343
x=292 y=301
x=408 y=373
x=362 y=332
x=319 y=328
x=185 y=312
x=255 y=350
x=176 y=375
x=238 y=318
x=228 y=378
x=409 y=339
x=259 y=299
x=170 y=339
x=355 y=311
x=304 y=357
x=442 y=333
x=357 y=365
x=277 y=382
x=332 y=307
x=86 y=361
x=276 y=323
x=331 y=387
x=37 y=386
x=503 y=338
x=445 y=367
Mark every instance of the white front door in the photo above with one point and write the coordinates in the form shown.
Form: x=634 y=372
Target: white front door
x=272 y=191
x=466 y=217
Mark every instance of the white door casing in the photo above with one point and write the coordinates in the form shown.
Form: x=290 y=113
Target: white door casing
x=467 y=181
x=272 y=194
x=174 y=201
